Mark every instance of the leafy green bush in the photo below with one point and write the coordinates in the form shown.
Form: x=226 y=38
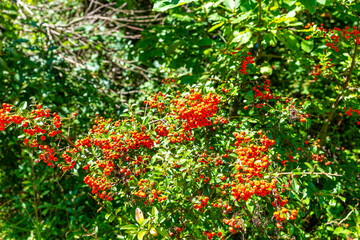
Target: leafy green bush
x=253 y=133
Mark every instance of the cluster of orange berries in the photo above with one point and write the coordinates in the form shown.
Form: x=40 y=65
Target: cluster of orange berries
x=6 y=118
x=168 y=80
x=234 y=224
x=309 y=25
x=203 y=201
x=281 y=216
x=140 y=140
x=48 y=156
x=220 y=119
x=225 y=90
x=317 y=157
x=195 y=109
x=204 y=179
x=155 y=103
x=153 y=194
x=99 y=187
x=320 y=158
x=161 y=130
x=350 y=111
x=227 y=208
x=279 y=201
x=240 y=138
x=180 y=137
x=246 y=60
x=39 y=112
x=211 y=235
x=252 y=162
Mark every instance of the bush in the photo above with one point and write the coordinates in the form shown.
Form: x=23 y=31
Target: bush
x=253 y=132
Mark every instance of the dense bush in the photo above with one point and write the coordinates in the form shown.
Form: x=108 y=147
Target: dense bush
x=252 y=133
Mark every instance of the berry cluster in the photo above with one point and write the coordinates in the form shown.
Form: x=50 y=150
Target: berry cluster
x=282 y=214
x=156 y=103
x=263 y=96
x=195 y=109
x=349 y=112
x=252 y=163
x=234 y=224
x=168 y=81
x=6 y=117
x=203 y=201
x=318 y=69
x=246 y=60
x=337 y=35
x=211 y=235
x=35 y=130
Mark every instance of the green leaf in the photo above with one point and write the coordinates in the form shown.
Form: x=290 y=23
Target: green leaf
x=309 y=5
x=242 y=38
x=249 y=96
x=111 y=218
x=141 y=234
x=216 y=26
x=291 y=229
x=23 y=105
x=3 y=64
x=266 y=69
x=164 y=5
x=231 y=4
x=117 y=211
x=129 y=227
x=306 y=105
x=172 y=47
x=155 y=212
x=291 y=41
x=143 y=223
x=307 y=45
x=163 y=232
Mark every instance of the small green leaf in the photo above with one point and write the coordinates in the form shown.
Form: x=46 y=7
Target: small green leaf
x=23 y=105
x=155 y=212
x=129 y=227
x=231 y=4
x=307 y=45
x=242 y=38
x=172 y=48
x=141 y=234
x=291 y=229
x=111 y=218
x=163 y=232
x=3 y=64
x=291 y=42
x=216 y=27
x=266 y=70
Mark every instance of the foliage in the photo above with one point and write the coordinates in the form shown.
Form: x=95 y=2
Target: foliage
x=253 y=132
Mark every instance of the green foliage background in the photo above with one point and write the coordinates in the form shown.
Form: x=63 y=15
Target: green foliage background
x=92 y=57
